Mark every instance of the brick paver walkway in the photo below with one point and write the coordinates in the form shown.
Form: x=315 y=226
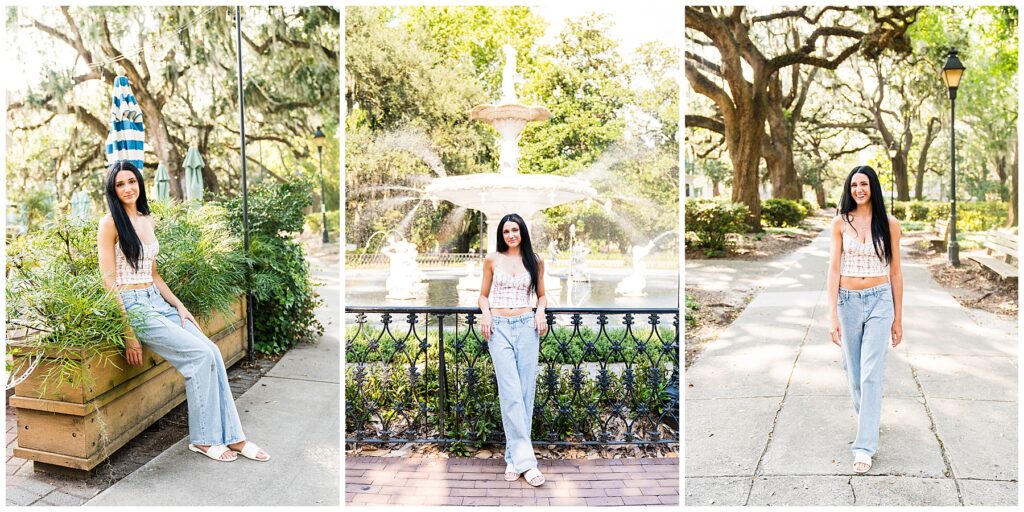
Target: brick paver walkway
x=380 y=481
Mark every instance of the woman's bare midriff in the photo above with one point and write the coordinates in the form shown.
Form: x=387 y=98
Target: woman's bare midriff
x=137 y=286
x=510 y=311
x=861 y=283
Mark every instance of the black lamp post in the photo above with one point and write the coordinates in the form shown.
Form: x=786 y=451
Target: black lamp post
x=318 y=139
x=951 y=73
x=892 y=184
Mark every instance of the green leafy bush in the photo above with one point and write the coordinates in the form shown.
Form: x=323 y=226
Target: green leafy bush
x=314 y=221
x=711 y=221
x=54 y=284
x=782 y=212
x=899 y=210
x=918 y=210
x=808 y=205
x=284 y=301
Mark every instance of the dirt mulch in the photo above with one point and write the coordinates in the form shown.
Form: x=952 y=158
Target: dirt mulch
x=972 y=285
x=769 y=244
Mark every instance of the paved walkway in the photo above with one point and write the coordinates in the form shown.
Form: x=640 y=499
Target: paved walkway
x=385 y=481
x=293 y=412
x=769 y=419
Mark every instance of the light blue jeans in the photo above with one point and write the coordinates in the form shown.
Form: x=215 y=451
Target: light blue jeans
x=514 y=348
x=212 y=417
x=865 y=317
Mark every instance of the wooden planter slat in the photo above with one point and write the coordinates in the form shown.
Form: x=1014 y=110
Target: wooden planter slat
x=106 y=376
x=80 y=434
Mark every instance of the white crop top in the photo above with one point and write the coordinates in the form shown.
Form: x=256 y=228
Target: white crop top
x=126 y=274
x=860 y=260
x=510 y=291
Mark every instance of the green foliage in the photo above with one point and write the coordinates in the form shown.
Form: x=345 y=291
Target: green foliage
x=314 y=221
x=808 y=205
x=199 y=256
x=692 y=306
x=782 y=212
x=971 y=216
x=899 y=210
x=711 y=221
x=918 y=210
x=284 y=302
x=55 y=285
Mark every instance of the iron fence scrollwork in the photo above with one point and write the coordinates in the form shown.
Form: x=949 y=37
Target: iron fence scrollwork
x=606 y=376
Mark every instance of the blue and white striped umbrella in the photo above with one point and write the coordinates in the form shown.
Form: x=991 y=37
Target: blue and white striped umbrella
x=127 y=133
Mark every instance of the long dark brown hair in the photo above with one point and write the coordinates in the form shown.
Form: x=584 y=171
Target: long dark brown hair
x=525 y=247
x=127 y=238
x=881 y=239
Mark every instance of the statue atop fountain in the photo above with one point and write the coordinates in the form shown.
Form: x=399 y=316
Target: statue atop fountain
x=633 y=285
x=508 y=191
x=405 y=279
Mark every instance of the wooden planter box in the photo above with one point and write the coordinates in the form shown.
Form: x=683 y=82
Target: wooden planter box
x=78 y=427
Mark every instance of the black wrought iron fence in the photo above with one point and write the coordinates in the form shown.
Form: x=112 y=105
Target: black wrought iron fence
x=423 y=374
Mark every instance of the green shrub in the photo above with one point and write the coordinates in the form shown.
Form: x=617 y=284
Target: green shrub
x=899 y=210
x=918 y=210
x=809 y=206
x=830 y=205
x=782 y=212
x=711 y=221
x=284 y=301
x=314 y=222
x=54 y=285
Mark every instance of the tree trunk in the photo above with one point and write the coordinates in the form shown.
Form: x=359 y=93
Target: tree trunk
x=819 y=194
x=745 y=152
x=1011 y=218
x=922 y=159
x=781 y=169
x=714 y=188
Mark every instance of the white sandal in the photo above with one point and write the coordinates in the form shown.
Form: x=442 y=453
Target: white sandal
x=250 y=451
x=510 y=473
x=532 y=475
x=861 y=458
x=214 y=451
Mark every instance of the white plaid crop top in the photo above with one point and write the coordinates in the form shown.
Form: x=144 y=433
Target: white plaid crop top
x=860 y=260
x=126 y=274
x=508 y=291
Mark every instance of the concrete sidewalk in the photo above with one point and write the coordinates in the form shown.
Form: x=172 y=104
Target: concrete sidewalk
x=478 y=482
x=293 y=412
x=769 y=419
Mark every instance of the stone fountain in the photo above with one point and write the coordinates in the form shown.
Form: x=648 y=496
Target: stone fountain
x=405 y=279
x=498 y=194
x=633 y=285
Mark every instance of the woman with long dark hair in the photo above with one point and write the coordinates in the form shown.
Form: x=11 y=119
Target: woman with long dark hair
x=865 y=292
x=127 y=258
x=511 y=276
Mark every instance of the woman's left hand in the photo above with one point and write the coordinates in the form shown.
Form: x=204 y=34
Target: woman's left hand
x=897 y=333
x=542 y=324
x=185 y=316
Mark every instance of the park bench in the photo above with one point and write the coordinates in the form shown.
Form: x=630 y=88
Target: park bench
x=940 y=238
x=1000 y=254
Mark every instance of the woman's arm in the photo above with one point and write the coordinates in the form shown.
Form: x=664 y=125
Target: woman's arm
x=542 y=300
x=835 y=256
x=896 y=281
x=106 y=237
x=485 y=291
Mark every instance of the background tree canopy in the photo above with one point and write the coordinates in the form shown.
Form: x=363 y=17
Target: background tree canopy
x=182 y=65
x=413 y=74
x=814 y=91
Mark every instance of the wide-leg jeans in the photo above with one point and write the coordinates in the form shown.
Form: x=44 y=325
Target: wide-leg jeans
x=866 y=317
x=212 y=417
x=515 y=347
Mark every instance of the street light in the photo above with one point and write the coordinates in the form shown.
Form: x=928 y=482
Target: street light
x=892 y=183
x=951 y=73
x=318 y=139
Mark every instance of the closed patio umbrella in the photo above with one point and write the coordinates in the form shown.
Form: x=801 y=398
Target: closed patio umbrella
x=127 y=136
x=194 y=174
x=162 y=184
